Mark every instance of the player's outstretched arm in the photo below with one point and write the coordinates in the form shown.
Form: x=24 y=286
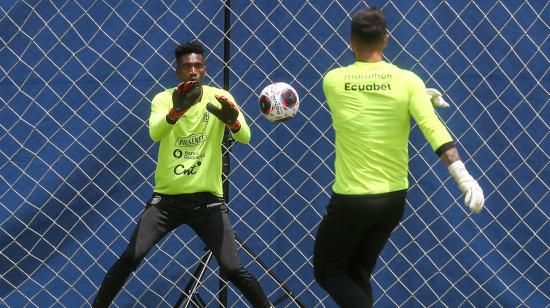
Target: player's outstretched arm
x=158 y=126
x=229 y=114
x=184 y=97
x=167 y=108
x=473 y=194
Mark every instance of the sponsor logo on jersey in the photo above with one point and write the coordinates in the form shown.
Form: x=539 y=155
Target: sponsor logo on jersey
x=187 y=169
x=368 y=76
x=190 y=141
x=367 y=86
x=193 y=155
x=188 y=154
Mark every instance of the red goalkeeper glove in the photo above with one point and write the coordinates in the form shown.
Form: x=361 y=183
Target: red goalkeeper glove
x=227 y=114
x=183 y=98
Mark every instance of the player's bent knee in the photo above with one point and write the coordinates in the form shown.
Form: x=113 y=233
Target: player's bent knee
x=131 y=260
x=230 y=264
x=325 y=277
x=320 y=276
x=235 y=272
x=317 y=270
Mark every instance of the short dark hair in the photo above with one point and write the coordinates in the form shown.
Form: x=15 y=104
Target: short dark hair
x=189 y=47
x=368 y=26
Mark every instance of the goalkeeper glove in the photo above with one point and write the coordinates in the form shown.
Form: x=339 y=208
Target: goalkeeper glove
x=474 y=198
x=183 y=98
x=436 y=98
x=228 y=113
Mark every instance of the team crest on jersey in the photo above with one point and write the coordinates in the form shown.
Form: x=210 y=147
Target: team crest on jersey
x=206 y=116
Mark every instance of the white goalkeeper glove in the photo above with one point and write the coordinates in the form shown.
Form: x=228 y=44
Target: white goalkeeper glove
x=473 y=198
x=436 y=98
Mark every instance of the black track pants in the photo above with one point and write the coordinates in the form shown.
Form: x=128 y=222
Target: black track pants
x=350 y=237
x=207 y=216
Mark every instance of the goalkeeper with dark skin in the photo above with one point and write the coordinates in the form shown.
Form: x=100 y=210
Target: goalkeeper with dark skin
x=371 y=103
x=189 y=122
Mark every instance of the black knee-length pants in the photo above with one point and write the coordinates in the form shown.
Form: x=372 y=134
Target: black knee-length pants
x=350 y=237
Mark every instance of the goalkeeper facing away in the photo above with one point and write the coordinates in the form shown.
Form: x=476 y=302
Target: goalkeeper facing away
x=189 y=122
x=371 y=102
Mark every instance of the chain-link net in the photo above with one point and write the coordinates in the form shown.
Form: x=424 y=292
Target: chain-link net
x=77 y=164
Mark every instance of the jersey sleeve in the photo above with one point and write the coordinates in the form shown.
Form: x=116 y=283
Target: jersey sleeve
x=422 y=111
x=160 y=106
x=243 y=135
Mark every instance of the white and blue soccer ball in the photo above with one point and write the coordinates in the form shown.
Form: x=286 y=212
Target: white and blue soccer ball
x=279 y=102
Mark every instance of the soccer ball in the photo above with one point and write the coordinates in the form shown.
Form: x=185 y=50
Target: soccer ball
x=279 y=102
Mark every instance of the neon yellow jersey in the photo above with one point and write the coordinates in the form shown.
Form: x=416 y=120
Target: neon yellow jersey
x=190 y=155
x=371 y=105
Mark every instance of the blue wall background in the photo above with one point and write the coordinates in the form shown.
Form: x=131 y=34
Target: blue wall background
x=76 y=161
